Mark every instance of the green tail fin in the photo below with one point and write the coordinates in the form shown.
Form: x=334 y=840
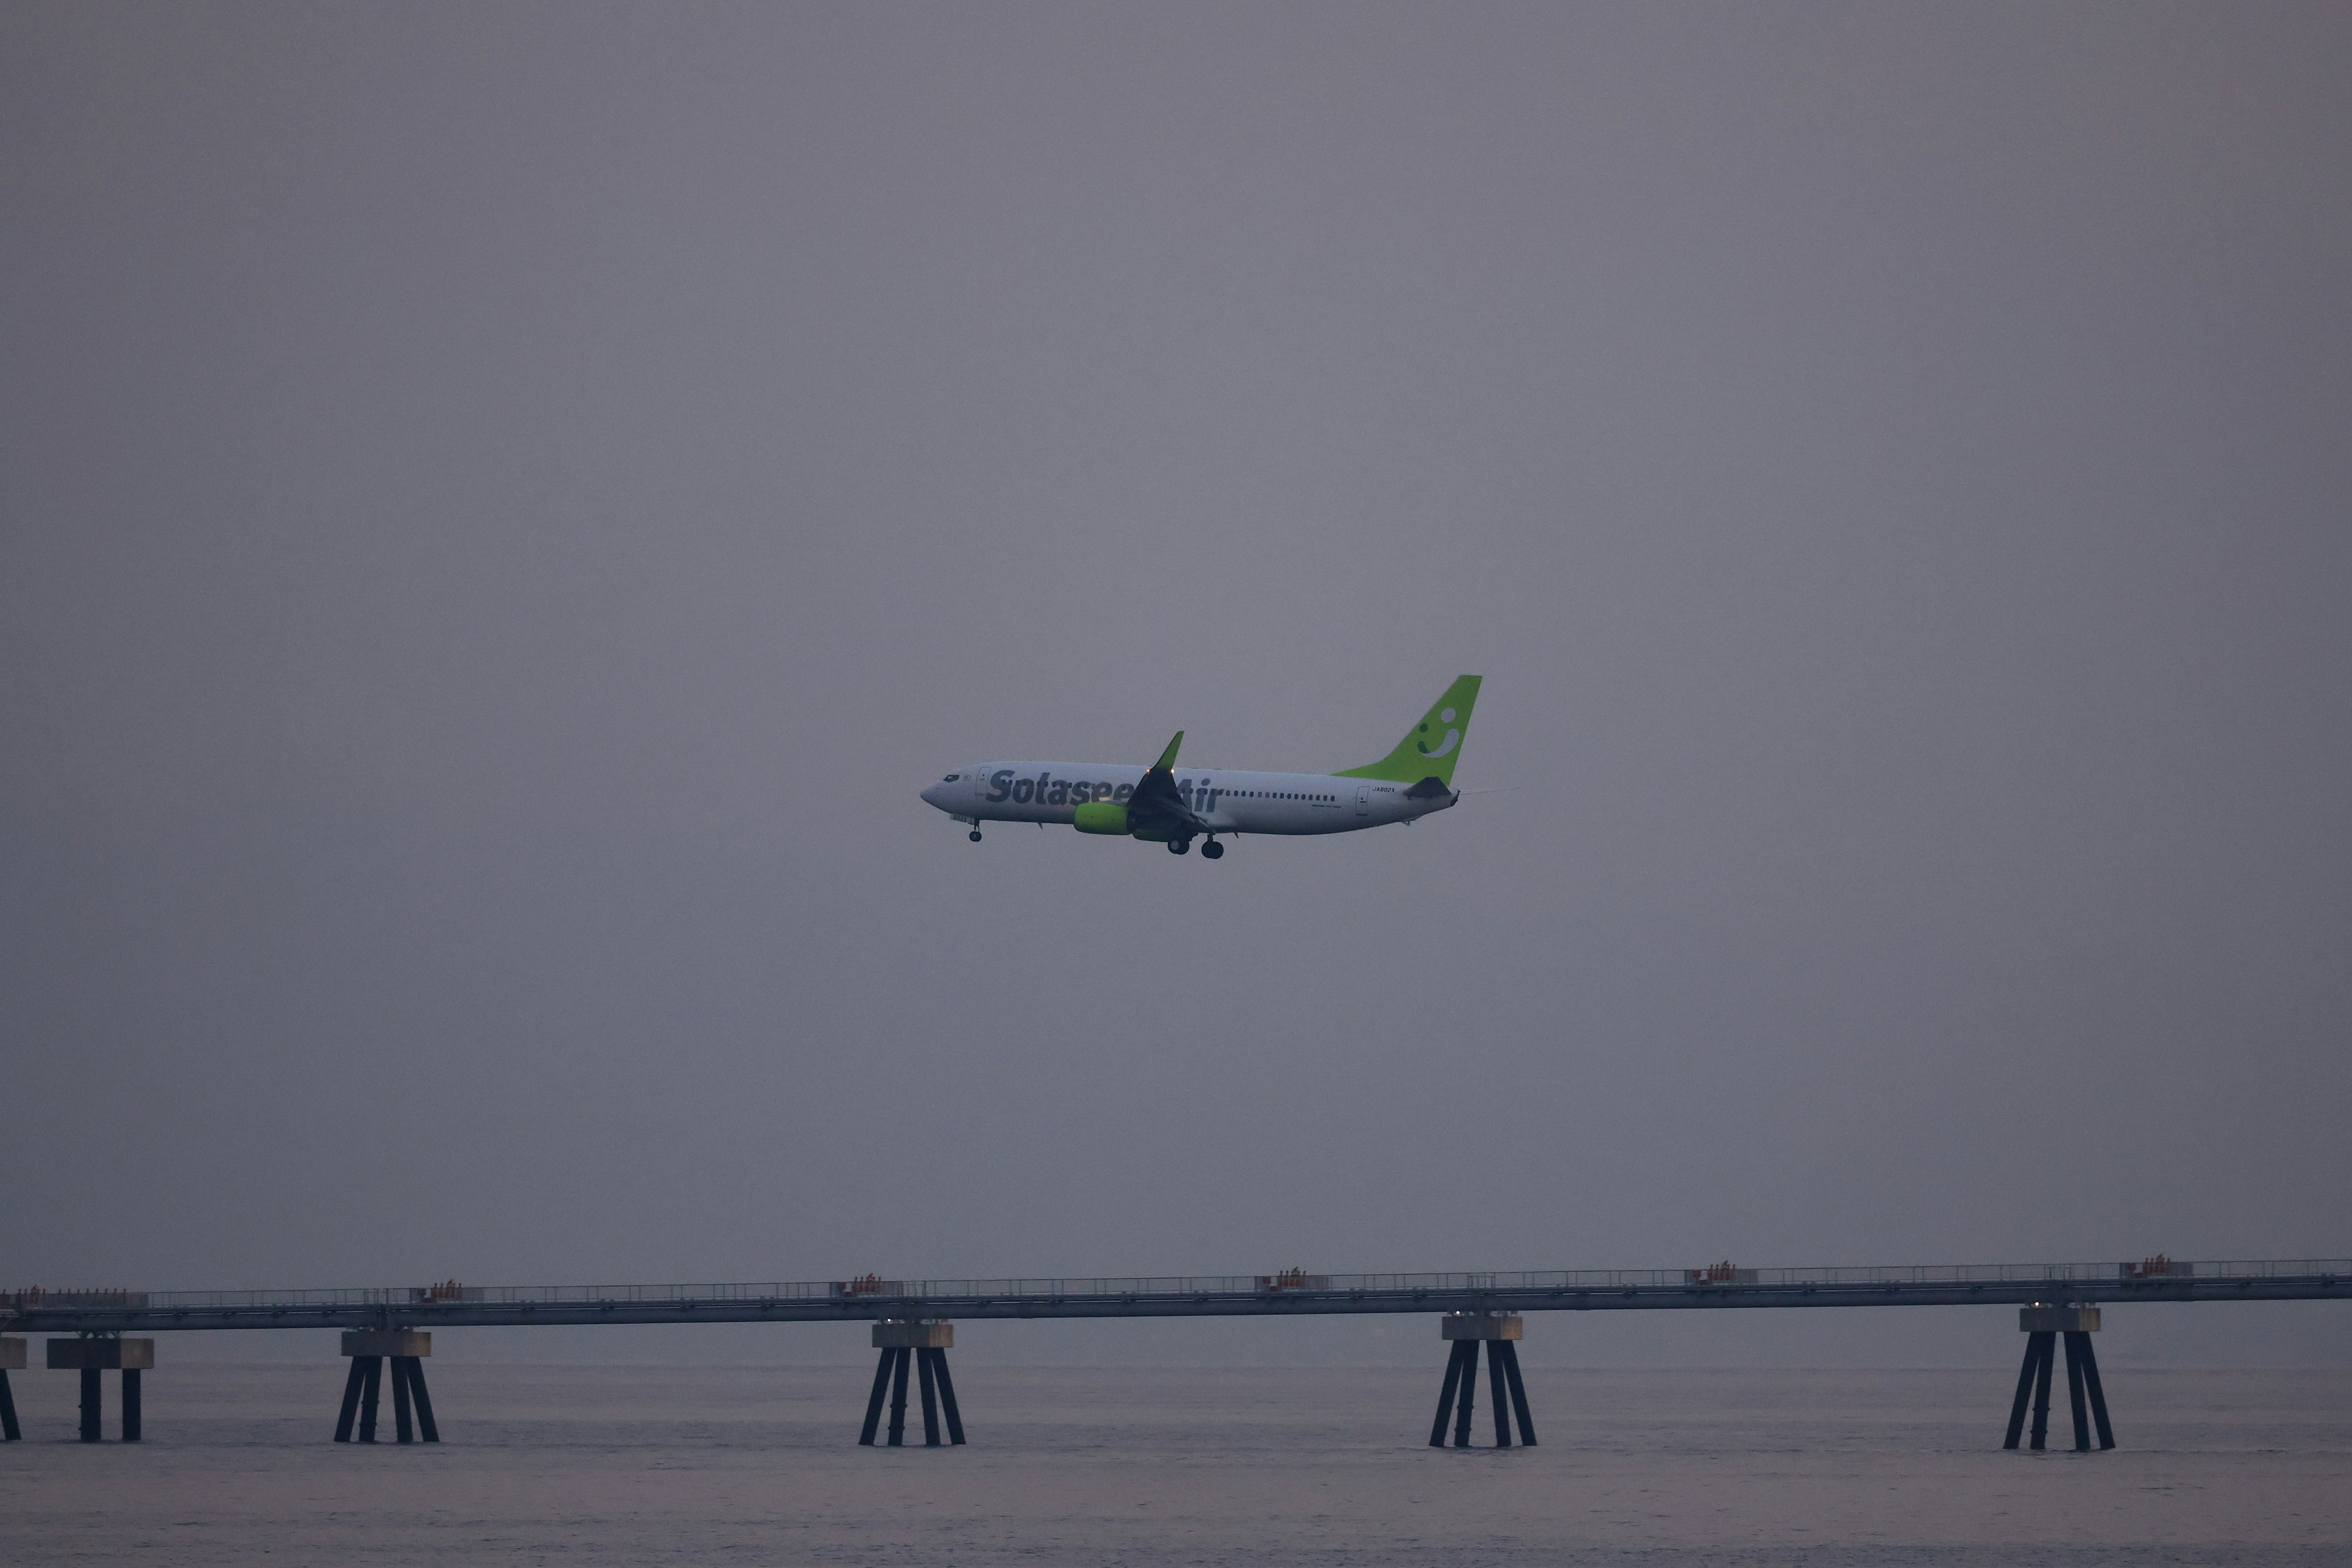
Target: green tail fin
x=1434 y=744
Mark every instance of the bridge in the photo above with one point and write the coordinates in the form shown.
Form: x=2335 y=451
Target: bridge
x=1292 y=1292
x=913 y=1319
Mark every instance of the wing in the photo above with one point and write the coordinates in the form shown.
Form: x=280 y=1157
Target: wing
x=1156 y=810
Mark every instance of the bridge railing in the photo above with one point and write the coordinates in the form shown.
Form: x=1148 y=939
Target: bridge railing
x=1259 y=1286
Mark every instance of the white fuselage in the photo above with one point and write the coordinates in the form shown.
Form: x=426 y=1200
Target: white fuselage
x=1227 y=800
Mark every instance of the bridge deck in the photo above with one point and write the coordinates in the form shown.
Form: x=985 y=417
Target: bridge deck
x=1292 y=1293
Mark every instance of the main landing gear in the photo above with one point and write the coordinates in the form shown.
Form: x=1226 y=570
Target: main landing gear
x=1212 y=850
x=1179 y=846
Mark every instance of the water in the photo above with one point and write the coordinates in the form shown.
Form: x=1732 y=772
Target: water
x=1117 y=1466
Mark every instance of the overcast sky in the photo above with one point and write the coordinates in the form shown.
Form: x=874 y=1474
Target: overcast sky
x=504 y=508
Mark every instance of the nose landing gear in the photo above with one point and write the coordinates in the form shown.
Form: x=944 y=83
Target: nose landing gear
x=975 y=835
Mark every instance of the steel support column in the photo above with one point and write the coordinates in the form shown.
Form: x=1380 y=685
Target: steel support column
x=1469 y=1395
x=948 y=1399
x=1445 y=1394
x=403 y=1425
x=425 y=1428
x=1499 y=1392
x=874 y=1401
x=2074 y=1394
x=2044 y=1348
x=898 y=1359
x=371 y=1387
x=1510 y=1354
x=2024 y=1391
x=2090 y=1385
x=923 y=1355
x=353 y=1384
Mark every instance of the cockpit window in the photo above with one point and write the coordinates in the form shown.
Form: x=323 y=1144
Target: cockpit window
x=952 y=778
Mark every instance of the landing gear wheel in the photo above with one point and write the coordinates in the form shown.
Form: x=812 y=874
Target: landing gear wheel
x=1179 y=846
x=975 y=835
x=1212 y=850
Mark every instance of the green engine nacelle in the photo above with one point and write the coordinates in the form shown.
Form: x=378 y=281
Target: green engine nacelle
x=1105 y=816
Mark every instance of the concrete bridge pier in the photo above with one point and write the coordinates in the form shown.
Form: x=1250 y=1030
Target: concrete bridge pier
x=2042 y=1326
x=92 y=1354
x=370 y=1349
x=12 y=1359
x=1499 y=1331
x=926 y=1345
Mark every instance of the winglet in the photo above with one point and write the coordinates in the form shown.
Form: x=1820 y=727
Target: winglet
x=1168 y=758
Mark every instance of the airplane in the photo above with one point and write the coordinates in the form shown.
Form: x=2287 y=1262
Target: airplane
x=1160 y=805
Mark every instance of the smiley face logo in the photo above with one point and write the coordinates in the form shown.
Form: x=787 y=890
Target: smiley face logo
x=1452 y=737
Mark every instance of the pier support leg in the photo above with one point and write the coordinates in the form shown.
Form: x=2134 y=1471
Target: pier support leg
x=2098 y=1396
x=404 y=1425
x=930 y=1396
x=874 y=1401
x=1467 y=1399
x=948 y=1399
x=2043 y=1347
x=2024 y=1393
x=93 y=1355
x=12 y=1359
x=898 y=1358
x=2074 y=1393
x=352 y=1387
x=411 y=1408
x=425 y=1428
x=2086 y=1402
x=1510 y=1354
x=1445 y=1394
x=1499 y=1392
x=1498 y=1331
x=920 y=1347
x=369 y=1388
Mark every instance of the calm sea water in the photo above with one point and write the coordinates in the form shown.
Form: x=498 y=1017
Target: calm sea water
x=1111 y=1465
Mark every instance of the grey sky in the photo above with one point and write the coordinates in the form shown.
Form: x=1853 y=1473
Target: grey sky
x=504 y=508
